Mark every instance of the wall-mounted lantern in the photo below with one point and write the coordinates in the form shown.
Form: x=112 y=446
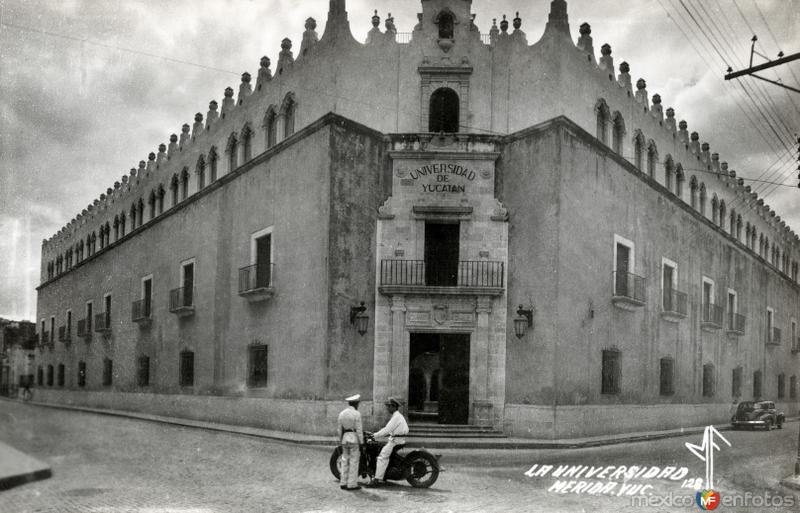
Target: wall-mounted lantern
x=523 y=321
x=359 y=318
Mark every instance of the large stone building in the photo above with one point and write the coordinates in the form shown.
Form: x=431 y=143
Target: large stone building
x=536 y=244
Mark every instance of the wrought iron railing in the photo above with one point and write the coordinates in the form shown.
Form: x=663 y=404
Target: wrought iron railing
x=254 y=277
x=403 y=37
x=82 y=330
x=181 y=298
x=629 y=286
x=675 y=302
x=467 y=273
x=736 y=322
x=102 y=322
x=140 y=310
x=774 y=336
x=712 y=315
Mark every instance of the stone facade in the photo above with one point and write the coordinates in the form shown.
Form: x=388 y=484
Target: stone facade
x=443 y=180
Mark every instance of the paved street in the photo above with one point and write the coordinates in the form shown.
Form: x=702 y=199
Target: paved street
x=108 y=464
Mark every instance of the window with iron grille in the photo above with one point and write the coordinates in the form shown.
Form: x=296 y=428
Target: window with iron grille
x=611 y=371
x=61 y=374
x=781 y=385
x=667 y=374
x=50 y=375
x=736 y=382
x=81 y=374
x=143 y=371
x=187 y=369
x=757 y=384
x=40 y=376
x=793 y=387
x=257 y=377
x=108 y=367
x=708 y=380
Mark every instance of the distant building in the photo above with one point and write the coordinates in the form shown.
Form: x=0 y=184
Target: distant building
x=17 y=346
x=504 y=234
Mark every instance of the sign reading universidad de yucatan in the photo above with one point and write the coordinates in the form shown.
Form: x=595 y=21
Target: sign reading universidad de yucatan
x=442 y=177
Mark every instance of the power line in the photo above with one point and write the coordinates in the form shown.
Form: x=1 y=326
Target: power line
x=114 y=47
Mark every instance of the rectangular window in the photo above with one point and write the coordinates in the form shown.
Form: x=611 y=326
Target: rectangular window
x=40 y=376
x=147 y=296
x=736 y=382
x=257 y=377
x=770 y=325
x=143 y=371
x=89 y=317
x=42 y=339
x=757 y=385
x=61 y=374
x=793 y=387
x=81 y=374
x=108 y=368
x=187 y=369
x=781 y=386
x=611 y=372
x=708 y=380
x=52 y=329
x=107 y=301
x=669 y=282
x=623 y=267
x=50 y=375
x=667 y=375
x=69 y=324
x=261 y=258
x=187 y=282
x=442 y=241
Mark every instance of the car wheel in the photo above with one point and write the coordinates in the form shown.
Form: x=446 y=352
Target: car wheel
x=769 y=425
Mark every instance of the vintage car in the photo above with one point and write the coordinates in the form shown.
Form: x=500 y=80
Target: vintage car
x=757 y=414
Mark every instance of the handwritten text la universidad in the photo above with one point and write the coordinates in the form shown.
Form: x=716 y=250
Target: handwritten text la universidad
x=605 y=480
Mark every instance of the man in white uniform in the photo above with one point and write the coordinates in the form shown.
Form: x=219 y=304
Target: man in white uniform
x=351 y=436
x=395 y=430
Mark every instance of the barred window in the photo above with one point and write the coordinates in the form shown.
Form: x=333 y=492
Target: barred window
x=667 y=386
x=736 y=382
x=108 y=367
x=50 y=375
x=793 y=387
x=708 y=380
x=611 y=371
x=257 y=376
x=143 y=371
x=757 y=384
x=61 y=374
x=40 y=376
x=187 y=369
x=781 y=385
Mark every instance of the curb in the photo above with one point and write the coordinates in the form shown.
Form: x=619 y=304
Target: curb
x=413 y=442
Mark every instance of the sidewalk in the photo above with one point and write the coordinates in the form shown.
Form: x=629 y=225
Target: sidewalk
x=17 y=468
x=443 y=443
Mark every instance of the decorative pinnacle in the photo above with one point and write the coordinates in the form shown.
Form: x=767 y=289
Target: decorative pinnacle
x=605 y=49
x=286 y=44
x=198 y=117
x=376 y=20
x=517 y=21
x=504 y=24
x=641 y=84
x=151 y=156
x=585 y=29
x=228 y=92
x=173 y=138
x=246 y=77
x=624 y=67
x=265 y=62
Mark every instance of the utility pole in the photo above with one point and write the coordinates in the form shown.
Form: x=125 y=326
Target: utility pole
x=769 y=64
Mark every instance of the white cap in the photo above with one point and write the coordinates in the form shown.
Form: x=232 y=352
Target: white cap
x=352 y=398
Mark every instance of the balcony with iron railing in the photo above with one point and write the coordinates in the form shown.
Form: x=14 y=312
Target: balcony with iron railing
x=774 y=336
x=466 y=277
x=629 y=290
x=674 y=305
x=140 y=312
x=64 y=335
x=181 y=301
x=255 y=282
x=102 y=323
x=735 y=323
x=711 y=317
x=84 y=329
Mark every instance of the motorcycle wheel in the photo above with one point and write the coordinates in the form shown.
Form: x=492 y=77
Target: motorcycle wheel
x=336 y=462
x=423 y=470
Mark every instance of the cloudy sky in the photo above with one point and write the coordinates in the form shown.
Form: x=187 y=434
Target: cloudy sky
x=90 y=87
